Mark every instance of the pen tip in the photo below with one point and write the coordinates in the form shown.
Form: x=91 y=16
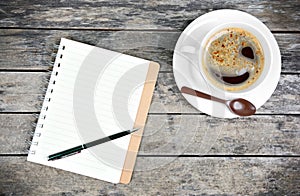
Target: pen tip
x=50 y=158
x=133 y=130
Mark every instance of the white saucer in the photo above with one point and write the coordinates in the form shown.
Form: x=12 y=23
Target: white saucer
x=186 y=71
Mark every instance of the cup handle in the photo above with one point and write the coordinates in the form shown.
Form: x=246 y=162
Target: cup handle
x=188 y=49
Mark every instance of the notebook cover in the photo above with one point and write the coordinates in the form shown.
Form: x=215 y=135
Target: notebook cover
x=140 y=121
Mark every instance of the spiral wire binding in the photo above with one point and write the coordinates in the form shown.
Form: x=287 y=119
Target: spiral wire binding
x=50 y=79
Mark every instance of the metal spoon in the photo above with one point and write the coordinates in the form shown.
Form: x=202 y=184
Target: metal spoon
x=238 y=106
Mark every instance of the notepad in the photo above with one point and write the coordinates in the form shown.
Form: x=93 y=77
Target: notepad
x=93 y=93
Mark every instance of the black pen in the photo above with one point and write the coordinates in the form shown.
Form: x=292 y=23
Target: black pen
x=78 y=149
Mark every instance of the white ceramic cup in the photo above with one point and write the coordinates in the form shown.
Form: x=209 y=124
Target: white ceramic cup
x=198 y=52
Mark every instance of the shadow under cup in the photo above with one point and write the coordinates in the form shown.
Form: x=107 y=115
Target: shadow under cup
x=266 y=53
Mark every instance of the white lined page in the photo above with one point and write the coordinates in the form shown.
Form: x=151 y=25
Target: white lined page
x=61 y=130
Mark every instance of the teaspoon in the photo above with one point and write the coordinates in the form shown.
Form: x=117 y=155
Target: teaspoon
x=238 y=106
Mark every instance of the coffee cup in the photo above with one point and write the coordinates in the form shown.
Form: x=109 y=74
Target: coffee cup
x=199 y=52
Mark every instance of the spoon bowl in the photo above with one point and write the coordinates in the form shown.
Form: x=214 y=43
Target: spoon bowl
x=241 y=107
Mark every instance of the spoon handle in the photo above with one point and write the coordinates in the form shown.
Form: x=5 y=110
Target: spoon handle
x=196 y=93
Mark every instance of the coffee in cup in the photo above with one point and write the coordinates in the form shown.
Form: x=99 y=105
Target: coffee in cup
x=233 y=59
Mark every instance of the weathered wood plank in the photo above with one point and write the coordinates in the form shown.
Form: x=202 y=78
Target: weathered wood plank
x=20 y=92
x=202 y=135
x=186 y=134
x=16 y=86
x=133 y=14
x=31 y=49
x=15 y=133
x=180 y=176
x=285 y=99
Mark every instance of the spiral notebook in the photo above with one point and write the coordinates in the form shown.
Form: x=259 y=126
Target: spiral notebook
x=93 y=93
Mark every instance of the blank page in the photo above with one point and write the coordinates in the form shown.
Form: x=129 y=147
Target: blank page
x=92 y=93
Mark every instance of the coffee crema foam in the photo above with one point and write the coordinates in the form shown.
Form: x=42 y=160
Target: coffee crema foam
x=233 y=59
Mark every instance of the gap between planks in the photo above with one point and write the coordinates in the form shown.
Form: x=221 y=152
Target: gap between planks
x=190 y=155
x=118 y=29
x=18 y=70
x=168 y=114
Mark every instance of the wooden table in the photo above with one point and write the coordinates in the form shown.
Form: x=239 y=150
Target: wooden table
x=255 y=155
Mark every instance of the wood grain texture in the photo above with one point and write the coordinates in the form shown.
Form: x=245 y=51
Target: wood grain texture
x=180 y=176
x=31 y=49
x=150 y=29
x=16 y=133
x=132 y=14
x=285 y=99
x=20 y=92
x=186 y=134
